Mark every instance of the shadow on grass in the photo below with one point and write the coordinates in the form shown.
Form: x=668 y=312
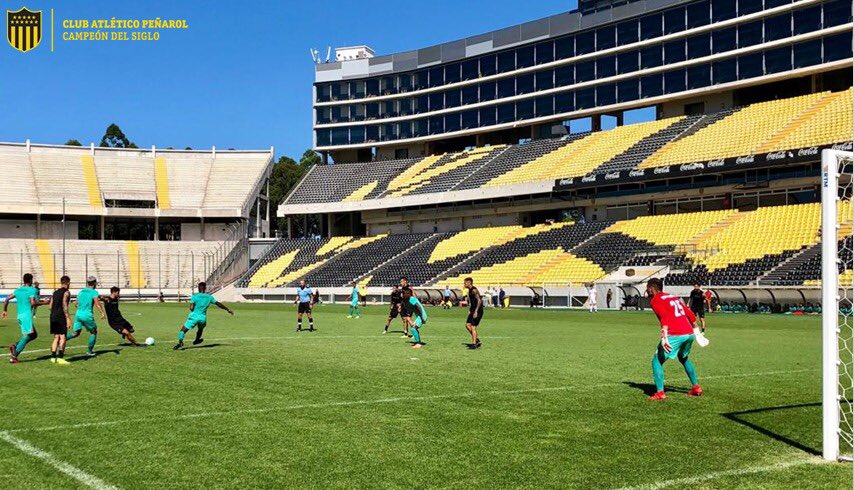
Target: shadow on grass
x=84 y=357
x=738 y=417
x=202 y=346
x=649 y=389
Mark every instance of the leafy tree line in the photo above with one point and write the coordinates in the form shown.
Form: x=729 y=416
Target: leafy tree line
x=286 y=173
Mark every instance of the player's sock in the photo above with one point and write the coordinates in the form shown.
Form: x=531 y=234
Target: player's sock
x=689 y=370
x=658 y=370
x=299 y=324
x=92 y=338
x=53 y=354
x=199 y=333
x=22 y=344
x=60 y=354
x=416 y=335
x=181 y=335
x=311 y=323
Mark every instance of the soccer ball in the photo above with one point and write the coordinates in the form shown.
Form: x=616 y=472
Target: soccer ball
x=149 y=341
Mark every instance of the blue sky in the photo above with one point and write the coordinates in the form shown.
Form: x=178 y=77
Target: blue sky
x=239 y=77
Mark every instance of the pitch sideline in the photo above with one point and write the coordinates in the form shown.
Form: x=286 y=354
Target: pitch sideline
x=714 y=475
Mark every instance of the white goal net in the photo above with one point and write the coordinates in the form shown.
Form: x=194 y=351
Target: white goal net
x=837 y=296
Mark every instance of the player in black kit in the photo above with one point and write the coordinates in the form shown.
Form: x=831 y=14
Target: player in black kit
x=59 y=320
x=475 y=312
x=697 y=303
x=114 y=316
x=405 y=314
x=396 y=301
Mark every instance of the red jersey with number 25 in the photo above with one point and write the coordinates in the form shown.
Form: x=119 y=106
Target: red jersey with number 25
x=671 y=311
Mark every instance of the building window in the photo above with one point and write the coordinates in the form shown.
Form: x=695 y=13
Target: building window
x=525 y=84
x=544 y=106
x=545 y=52
x=674 y=20
x=584 y=71
x=699 y=14
x=627 y=90
x=545 y=79
x=650 y=26
x=699 y=46
x=807 y=20
x=674 y=81
x=777 y=60
x=606 y=37
x=724 y=71
x=627 y=32
x=723 y=10
x=724 y=40
x=651 y=56
x=606 y=67
x=674 y=51
x=778 y=27
x=565 y=47
x=750 y=66
x=627 y=62
x=750 y=34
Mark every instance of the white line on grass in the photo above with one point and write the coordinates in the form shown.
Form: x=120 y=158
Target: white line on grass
x=714 y=475
x=72 y=471
x=378 y=401
x=301 y=337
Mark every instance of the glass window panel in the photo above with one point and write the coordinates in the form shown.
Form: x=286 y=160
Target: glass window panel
x=340 y=136
x=807 y=20
x=564 y=102
x=437 y=124
x=674 y=51
x=437 y=101
x=564 y=75
x=452 y=122
x=779 y=59
x=525 y=84
x=565 y=47
x=506 y=87
x=723 y=10
x=487 y=91
x=422 y=104
x=837 y=47
x=404 y=130
x=453 y=98
x=627 y=90
x=506 y=113
x=469 y=119
x=724 y=71
x=585 y=98
x=606 y=94
x=525 y=57
x=750 y=66
x=651 y=56
x=372 y=133
x=487 y=116
x=405 y=107
x=388 y=86
x=470 y=95
x=545 y=79
x=698 y=14
x=627 y=62
x=584 y=71
x=724 y=40
x=699 y=46
x=470 y=69
x=749 y=6
x=544 y=106
x=606 y=67
x=585 y=42
x=372 y=87
x=545 y=52
x=808 y=53
x=506 y=61
x=776 y=3
x=357 y=135
x=627 y=32
x=487 y=65
x=606 y=37
x=699 y=76
x=836 y=12
x=778 y=27
x=421 y=80
x=405 y=82
x=524 y=109
x=674 y=20
x=750 y=34
x=437 y=76
x=674 y=81
x=651 y=86
x=372 y=110
x=324 y=137
x=419 y=127
x=651 y=26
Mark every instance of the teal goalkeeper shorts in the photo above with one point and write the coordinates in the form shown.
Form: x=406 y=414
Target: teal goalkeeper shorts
x=26 y=325
x=681 y=346
x=193 y=322
x=418 y=323
x=84 y=322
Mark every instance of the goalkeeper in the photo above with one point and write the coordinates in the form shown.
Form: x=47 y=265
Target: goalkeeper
x=678 y=326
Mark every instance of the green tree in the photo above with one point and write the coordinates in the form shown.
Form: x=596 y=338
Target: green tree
x=286 y=173
x=115 y=138
x=309 y=159
x=73 y=142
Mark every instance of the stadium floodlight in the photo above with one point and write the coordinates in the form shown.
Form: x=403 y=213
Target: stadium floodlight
x=837 y=296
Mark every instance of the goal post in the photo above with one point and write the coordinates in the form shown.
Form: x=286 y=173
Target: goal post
x=837 y=373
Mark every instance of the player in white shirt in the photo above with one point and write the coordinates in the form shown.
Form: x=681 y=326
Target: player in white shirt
x=591 y=299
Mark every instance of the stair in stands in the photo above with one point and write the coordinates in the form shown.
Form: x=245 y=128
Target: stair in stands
x=402 y=256
x=794 y=124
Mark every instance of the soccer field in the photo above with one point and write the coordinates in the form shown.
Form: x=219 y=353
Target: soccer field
x=554 y=399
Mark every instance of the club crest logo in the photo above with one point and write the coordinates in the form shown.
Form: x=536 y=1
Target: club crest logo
x=24 y=29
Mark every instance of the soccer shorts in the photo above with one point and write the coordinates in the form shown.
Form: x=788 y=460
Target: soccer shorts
x=84 y=322
x=404 y=312
x=58 y=327
x=304 y=308
x=699 y=312
x=354 y=303
x=121 y=324
x=471 y=320
x=393 y=312
x=26 y=325
x=681 y=346
x=418 y=323
x=193 y=322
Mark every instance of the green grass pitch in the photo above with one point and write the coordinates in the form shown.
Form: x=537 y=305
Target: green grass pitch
x=555 y=399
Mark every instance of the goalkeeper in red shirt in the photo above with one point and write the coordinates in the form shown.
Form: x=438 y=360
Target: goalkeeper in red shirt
x=677 y=336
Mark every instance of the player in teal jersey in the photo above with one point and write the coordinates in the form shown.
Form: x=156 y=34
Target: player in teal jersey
x=198 y=317
x=27 y=300
x=87 y=299
x=354 y=302
x=419 y=317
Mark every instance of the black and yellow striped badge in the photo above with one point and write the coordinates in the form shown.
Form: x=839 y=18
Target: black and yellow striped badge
x=24 y=29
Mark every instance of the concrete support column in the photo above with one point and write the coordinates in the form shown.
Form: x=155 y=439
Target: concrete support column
x=102 y=226
x=290 y=229
x=596 y=123
x=156 y=228
x=619 y=119
x=258 y=218
x=202 y=229
x=38 y=226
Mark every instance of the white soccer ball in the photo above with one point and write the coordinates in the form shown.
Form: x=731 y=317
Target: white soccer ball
x=149 y=341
